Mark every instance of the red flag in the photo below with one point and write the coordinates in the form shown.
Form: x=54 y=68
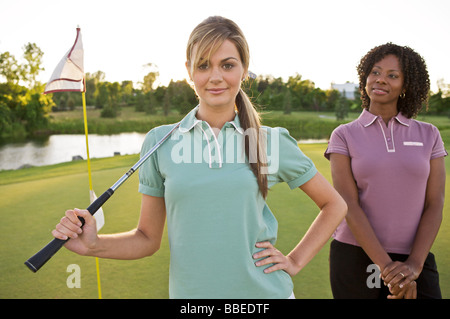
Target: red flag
x=69 y=73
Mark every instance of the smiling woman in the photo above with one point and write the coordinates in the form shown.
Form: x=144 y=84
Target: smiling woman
x=390 y=169
x=221 y=231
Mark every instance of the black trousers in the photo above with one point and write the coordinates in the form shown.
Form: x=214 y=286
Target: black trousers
x=353 y=277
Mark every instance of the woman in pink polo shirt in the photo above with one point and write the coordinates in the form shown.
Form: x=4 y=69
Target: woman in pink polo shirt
x=390 y=170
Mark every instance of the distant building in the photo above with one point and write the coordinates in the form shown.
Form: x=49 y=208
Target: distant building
x=347 y=89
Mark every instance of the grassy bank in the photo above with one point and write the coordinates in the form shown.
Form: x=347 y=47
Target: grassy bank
x=301 y=125
x=33 y=200
x=306 y=124
x=71 y=122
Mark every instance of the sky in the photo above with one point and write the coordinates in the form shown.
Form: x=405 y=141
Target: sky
x=322 y=40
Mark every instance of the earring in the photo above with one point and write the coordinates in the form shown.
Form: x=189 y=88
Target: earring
x=402 y=96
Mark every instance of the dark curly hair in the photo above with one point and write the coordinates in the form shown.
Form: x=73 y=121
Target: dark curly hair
x=416 y=80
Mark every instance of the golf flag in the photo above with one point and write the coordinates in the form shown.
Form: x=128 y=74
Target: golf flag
x=69 y=73
x=99 y=216
x=69 y=77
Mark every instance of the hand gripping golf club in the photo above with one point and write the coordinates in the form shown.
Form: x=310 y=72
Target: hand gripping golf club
x=42 y=256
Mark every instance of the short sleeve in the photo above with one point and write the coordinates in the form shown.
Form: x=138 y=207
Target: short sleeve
x=438 y=146
x=150 y=180
x=337 y=143
x=287 y=163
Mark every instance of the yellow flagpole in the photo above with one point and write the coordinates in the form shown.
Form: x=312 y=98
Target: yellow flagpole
x=87 y=143
x=90 y=184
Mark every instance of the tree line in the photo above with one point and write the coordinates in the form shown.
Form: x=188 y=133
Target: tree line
x=25 y=110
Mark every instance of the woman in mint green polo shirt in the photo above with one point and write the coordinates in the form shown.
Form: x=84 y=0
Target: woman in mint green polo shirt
x=210 y=181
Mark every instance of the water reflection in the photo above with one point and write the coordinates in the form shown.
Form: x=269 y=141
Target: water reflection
x=62 y=148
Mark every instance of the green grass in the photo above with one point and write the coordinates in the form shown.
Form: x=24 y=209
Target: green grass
x=32 y=208
x=33 y=200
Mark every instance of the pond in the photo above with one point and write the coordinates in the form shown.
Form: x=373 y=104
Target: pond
x=63 y=148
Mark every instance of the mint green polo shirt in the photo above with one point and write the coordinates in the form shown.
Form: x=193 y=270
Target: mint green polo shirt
x=215 y=212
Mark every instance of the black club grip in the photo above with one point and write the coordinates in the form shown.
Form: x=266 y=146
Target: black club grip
x=42 y=256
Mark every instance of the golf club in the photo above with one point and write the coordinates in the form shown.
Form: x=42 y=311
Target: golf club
x=41 y=257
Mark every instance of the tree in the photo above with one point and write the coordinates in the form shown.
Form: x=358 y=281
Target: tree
x=444 y=88
x=33 y=55
x=318 y=99
x=263 y=83
x=356 y=105
x=166 y=104
x=181 y=96
x=91 y=88
x=111 y=95
x=35 y=111
x=5 y=119
x=438 y=104
x=302 y=93
x=102 y=96
x=341 y=108
x=9 y=68
x=150 y=78
x=272 y=92
x=110 y=109
x=333 y=97
x=27 y=106
x=126 y=88
x=140 y=101
x=287 y=102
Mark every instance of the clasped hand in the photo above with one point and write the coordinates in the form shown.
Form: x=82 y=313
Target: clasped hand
x=400 y=278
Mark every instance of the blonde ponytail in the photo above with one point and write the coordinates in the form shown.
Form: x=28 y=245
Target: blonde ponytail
x=255 y=140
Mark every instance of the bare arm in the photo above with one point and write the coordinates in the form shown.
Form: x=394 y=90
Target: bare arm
x=427 y=231
x=356 y=218
x=332 y=211
x=143 y=241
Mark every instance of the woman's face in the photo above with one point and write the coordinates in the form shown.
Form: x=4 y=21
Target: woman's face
x=385 y=82
x=217 y=81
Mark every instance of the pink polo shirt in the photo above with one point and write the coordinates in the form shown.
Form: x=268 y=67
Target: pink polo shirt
x=391 y=165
